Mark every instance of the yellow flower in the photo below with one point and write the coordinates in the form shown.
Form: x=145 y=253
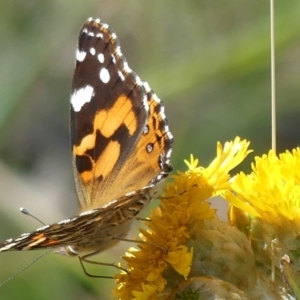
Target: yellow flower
x=268 y=207
x=272 y=191
x=164 y=257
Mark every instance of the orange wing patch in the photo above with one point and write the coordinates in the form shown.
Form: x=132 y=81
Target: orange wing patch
x=37 y=241
x=106 y=122
x=121 y=113
x=109 y=156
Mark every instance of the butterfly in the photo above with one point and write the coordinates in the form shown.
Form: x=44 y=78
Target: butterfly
x=120 y=144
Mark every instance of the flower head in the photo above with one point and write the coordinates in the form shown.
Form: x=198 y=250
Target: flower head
x=272 y=191
x=271 y=197
x=164 y=256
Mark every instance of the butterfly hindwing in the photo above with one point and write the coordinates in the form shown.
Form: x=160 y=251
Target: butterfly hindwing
x=89 y=231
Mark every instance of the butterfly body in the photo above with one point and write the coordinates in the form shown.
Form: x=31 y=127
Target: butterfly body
x=121 y=147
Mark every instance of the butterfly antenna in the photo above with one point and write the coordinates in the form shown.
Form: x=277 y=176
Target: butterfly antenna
x=26 y=212
x=23 y=269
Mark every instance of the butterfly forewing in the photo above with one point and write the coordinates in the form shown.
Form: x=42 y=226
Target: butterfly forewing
x=105 y=126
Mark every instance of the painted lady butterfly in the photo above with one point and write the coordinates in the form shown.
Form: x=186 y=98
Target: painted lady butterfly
x=121 y=147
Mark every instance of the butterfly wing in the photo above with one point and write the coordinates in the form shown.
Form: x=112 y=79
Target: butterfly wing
x=112 y=125
x=121 y=147
x=96 y=230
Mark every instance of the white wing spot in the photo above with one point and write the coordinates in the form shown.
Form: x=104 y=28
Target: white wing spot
x=147 y=87
x=155 y=98
x=168 y=155
x=43 y=228
x=99 y=35
x=126 y=68
x=130 y=194
x=118 y=51
x=162 y=112
x=121 y=75
x=7 y=247
x=113 y=59
x=145 y=103
x=109 y=203
x=146 y=129
x=81 y=96
x=85 y=213
x=80 y=55
x=149 y=147
x=104 y=75
x=101 y=58
x=64 y=221
x=138 y=81
x=93 y=51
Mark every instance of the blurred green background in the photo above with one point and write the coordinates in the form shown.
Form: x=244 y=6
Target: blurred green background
x=207 y=60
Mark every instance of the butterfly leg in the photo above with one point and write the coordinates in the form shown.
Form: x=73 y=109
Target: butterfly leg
x=84 y=259
x=142 y=219
x=180 y=194
x=144 y=242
